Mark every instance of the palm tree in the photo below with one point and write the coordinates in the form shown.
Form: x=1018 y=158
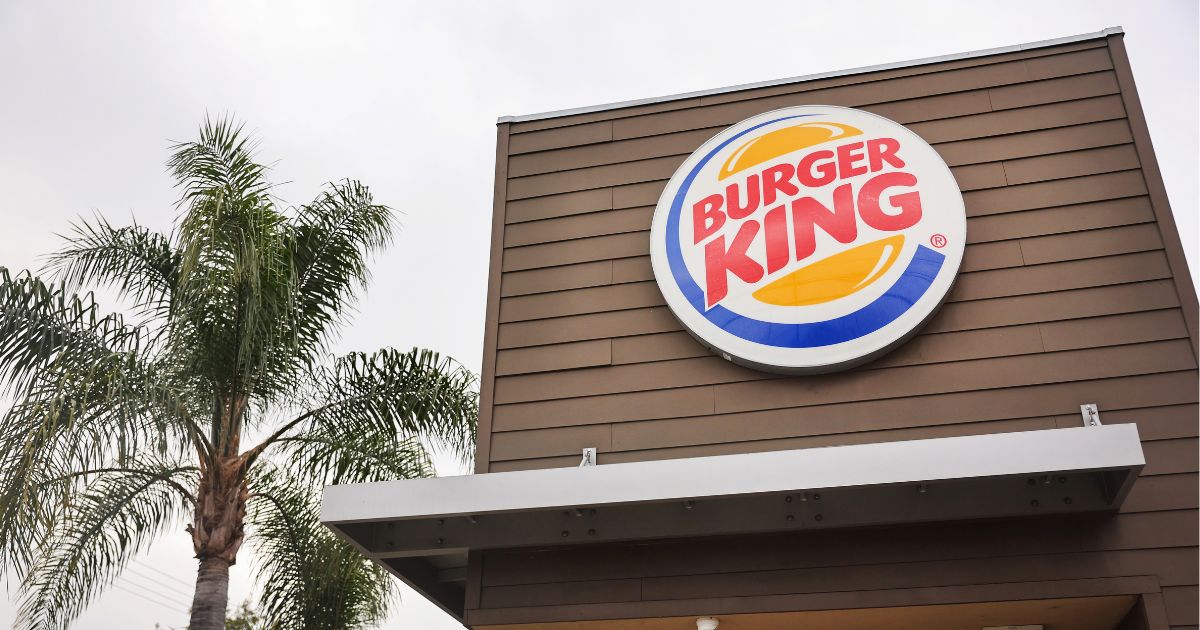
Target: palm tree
x=213 y=396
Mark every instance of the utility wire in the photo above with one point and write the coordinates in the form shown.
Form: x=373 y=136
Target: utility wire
x=149 y=599
x=158 y=583
x=187 y=585
x=174 y=600
x=154 y=587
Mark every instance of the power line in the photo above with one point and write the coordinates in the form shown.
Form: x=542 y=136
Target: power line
x=164 y=574
x=173 y=599
x=159 y=583
x=149 y=599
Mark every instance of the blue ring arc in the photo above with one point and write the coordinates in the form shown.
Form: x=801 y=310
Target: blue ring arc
x=908 y=289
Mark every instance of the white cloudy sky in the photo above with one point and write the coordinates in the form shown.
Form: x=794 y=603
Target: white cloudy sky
x=405 y=95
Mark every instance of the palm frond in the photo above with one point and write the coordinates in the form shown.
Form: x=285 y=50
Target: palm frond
x=329 y=455
x=112 y=520
x=333 y=240
x=236 y=275
x=49 y=445
x=139 y=262
x=63 y=360
x=309 y=577
x=89 y=395
x=44 y=326
x=219 y=167
x=68 y=365
x=418 y=394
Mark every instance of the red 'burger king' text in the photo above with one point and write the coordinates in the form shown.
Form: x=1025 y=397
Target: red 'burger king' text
x=764 y=200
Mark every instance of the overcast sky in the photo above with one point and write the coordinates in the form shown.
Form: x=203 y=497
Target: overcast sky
x=404 y=96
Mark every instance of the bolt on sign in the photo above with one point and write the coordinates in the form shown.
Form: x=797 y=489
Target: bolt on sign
x=808 y=239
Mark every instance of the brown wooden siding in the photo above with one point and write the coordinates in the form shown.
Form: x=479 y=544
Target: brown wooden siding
x=1073 y=290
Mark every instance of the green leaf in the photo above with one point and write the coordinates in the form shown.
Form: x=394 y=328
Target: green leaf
x=415 y=394
x=102 y=528
x=139 y=262
x=310 y=578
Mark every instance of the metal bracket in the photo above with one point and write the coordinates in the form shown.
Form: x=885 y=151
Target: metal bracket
x=589 y=457
x=1091 y=414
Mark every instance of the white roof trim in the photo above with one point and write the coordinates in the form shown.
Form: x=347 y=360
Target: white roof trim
x=859 y=465
x=422 y=530
x=1114 y=30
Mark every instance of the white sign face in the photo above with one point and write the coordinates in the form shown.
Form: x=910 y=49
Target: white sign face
x=808 y=239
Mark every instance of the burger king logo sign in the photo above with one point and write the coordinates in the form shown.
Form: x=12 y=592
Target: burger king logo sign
x=808 y=239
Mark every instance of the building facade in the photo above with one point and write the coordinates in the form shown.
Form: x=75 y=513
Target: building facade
x=1073 y=290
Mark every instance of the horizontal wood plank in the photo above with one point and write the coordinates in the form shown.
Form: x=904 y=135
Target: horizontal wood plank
x=565 y=356
x=1056 y=367
x=1123 y=402
x=995 y=149
x=1183 y=605
x=786 y=88
x=980 y=255
x=944 y=347
x=559 y=278
x=1170 y=457
x=580 y=226
x=1033 y=143
x=566 y=204
x=1120 y=157
x=1007 y=311
x=917 y=575
x=958 y=153
x=742 y=389
x=638 y=219
x=1107 y=190
x=860 y=95
x=971 y=285
x=1054 y=306
x=856 y=548
x=1162 y=493
x=969 y=116
x=588 y=133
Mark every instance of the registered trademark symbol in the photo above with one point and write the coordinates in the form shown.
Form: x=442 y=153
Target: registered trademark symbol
x=938 y=241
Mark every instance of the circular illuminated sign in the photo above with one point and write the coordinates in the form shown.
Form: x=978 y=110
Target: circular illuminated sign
x=808 y=239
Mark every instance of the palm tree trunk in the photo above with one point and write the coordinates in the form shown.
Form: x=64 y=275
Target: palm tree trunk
x=217 y=534
x=212 y=595
x=218 y=527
